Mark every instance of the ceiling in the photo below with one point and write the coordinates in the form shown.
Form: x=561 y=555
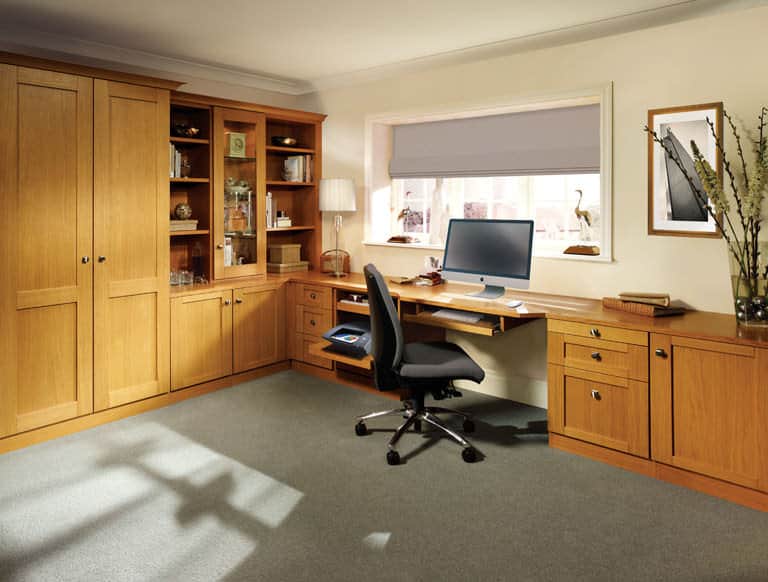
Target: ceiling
x=294 y=47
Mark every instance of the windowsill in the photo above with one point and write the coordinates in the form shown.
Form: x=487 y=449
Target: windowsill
x=426 y=246
x=537 y=255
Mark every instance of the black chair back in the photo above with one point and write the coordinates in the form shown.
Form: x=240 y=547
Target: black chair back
x=386 y=332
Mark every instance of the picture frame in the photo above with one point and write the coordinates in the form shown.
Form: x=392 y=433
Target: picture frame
x=673 y=208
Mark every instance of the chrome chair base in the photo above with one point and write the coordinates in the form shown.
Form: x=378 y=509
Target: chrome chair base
x=413 y=419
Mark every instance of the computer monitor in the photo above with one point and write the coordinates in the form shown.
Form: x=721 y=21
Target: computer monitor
x=495 y=253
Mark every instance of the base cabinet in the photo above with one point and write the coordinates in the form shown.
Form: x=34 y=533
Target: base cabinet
x=259 y=327
x=709 y=404
x=201 y=338
x=216 y=334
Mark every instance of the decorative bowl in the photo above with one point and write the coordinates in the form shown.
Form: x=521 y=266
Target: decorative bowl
x=282 y=140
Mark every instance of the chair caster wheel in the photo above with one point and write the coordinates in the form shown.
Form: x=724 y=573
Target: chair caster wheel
x=393 y=458
x=469 y=426
x=361 y=429
x=469 y=455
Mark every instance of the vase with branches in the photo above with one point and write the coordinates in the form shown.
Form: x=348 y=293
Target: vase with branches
x=737 y=210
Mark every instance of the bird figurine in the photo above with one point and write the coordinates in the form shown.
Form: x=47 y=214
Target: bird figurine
x=584 y=215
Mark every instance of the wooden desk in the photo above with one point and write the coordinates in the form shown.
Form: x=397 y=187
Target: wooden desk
x=680 y=398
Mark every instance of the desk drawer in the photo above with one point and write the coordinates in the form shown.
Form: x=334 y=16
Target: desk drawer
x=585 y=353
x=600 y=409
x=313 y=321
x=598 y=331
x=305 y=342
x=314 y=296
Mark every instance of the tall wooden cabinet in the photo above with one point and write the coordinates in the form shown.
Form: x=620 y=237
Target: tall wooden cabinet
x=131 y=331
x=83 y=207
x=46 y=197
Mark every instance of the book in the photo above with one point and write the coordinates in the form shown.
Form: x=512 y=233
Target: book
x=661 y=299
x=646 y=309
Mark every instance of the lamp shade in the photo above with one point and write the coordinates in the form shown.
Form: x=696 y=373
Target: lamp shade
x=337 y=195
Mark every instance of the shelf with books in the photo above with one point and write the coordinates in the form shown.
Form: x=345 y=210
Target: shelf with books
x=290 y=228
x=189 y=140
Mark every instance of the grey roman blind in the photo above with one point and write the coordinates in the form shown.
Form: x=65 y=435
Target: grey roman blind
x=545 y=141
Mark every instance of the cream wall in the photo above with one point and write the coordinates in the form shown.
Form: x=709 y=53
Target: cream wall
x=718 y=58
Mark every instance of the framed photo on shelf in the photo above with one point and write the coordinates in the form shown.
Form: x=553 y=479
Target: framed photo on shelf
x=673 y=207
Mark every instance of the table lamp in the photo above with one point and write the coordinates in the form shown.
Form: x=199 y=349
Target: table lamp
x=337 y=195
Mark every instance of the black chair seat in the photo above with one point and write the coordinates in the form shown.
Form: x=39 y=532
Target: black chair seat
x=439 y=360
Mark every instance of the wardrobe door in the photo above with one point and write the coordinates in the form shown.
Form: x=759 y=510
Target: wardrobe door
x=46 y=199
x=131 y=305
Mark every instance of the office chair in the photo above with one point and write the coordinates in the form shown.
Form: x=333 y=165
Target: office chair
x=419 y=368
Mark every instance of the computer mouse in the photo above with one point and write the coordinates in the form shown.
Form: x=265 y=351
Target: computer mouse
x=514 y=303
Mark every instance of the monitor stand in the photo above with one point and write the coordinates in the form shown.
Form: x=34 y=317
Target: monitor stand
x=489 y=292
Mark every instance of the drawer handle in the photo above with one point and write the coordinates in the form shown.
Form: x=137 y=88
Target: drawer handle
x=312 y=322
x=313 y=296
x=596 y=356
x=238 y=300
x=227 y=302
x=594 y=332
x=596 y=395
x=660 y=352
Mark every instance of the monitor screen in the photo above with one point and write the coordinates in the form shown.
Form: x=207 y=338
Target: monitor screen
x=489 y=249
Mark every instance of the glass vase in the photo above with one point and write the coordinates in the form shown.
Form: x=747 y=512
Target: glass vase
x=750 y=298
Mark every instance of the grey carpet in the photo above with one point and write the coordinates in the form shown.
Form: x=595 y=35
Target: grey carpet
x=267 y=481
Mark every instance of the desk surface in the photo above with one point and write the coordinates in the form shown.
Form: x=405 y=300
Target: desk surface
x=700 y=324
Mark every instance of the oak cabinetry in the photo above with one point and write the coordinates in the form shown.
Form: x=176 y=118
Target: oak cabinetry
x=709 y=404
x=201 y=338
x=46 y=198
x=598 y=388
x=131 y=332
x=259 y=326
x=310 y=315
x=218 y=333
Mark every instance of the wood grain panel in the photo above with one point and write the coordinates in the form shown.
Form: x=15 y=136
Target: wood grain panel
x=259 y=327
x=607 y=357
x=715 y=414
x=598 y=331
x=132 y=321
x=313 y=321
x=47 y=198
x=201 y=338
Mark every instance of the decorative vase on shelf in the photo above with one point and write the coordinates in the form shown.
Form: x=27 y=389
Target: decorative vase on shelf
x=750 y=297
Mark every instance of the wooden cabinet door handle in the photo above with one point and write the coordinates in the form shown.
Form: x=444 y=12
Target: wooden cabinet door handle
x=313 y=296
x=227 y=302
x=661 y=353
x=312 y=322
x=594 y=332
x=238 y=300
x=596 y=356
x=596 y=395
x=102 y=258
x=86 y=259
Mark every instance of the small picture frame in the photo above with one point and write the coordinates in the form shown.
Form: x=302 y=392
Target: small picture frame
x=673 y=207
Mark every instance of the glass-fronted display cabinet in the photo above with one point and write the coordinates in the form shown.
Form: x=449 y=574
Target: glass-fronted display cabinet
x=239 y=216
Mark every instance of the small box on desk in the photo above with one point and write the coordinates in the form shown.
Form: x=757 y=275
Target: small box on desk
x=285 y=253
x=287 y=267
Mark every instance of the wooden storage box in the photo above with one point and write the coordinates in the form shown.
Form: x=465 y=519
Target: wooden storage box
x=287 y=267
x=285 y=253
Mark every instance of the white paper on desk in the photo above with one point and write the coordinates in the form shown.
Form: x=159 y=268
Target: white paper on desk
x=522 y=309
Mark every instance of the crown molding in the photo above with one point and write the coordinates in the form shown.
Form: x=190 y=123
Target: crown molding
x=683 y=10
x=35 y=43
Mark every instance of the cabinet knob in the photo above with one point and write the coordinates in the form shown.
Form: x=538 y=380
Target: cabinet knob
x=312 y=322
x=596 y=356
x=102 y=258
x=596 y=395
x=238 y=300
x=594 y=332
x=86 y=259
x=227 y=302
x=661 y=353
x=219 y=246
x=313 y=296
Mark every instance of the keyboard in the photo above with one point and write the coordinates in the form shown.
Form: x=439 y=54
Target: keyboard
x=456 y=315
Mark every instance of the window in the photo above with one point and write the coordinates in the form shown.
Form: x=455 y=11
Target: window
x=425 y=205
x=542 y=162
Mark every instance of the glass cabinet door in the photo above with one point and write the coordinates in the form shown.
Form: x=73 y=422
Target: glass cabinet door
x=239 y=218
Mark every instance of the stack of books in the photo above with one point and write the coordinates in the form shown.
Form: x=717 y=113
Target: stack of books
x=183 y=225
x=175 y=161
x=297 y=169
x=648 y=304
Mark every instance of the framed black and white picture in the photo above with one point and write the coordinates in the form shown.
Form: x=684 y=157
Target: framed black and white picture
x=674 y=208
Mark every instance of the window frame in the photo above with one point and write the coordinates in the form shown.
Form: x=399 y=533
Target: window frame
x=378 y=150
